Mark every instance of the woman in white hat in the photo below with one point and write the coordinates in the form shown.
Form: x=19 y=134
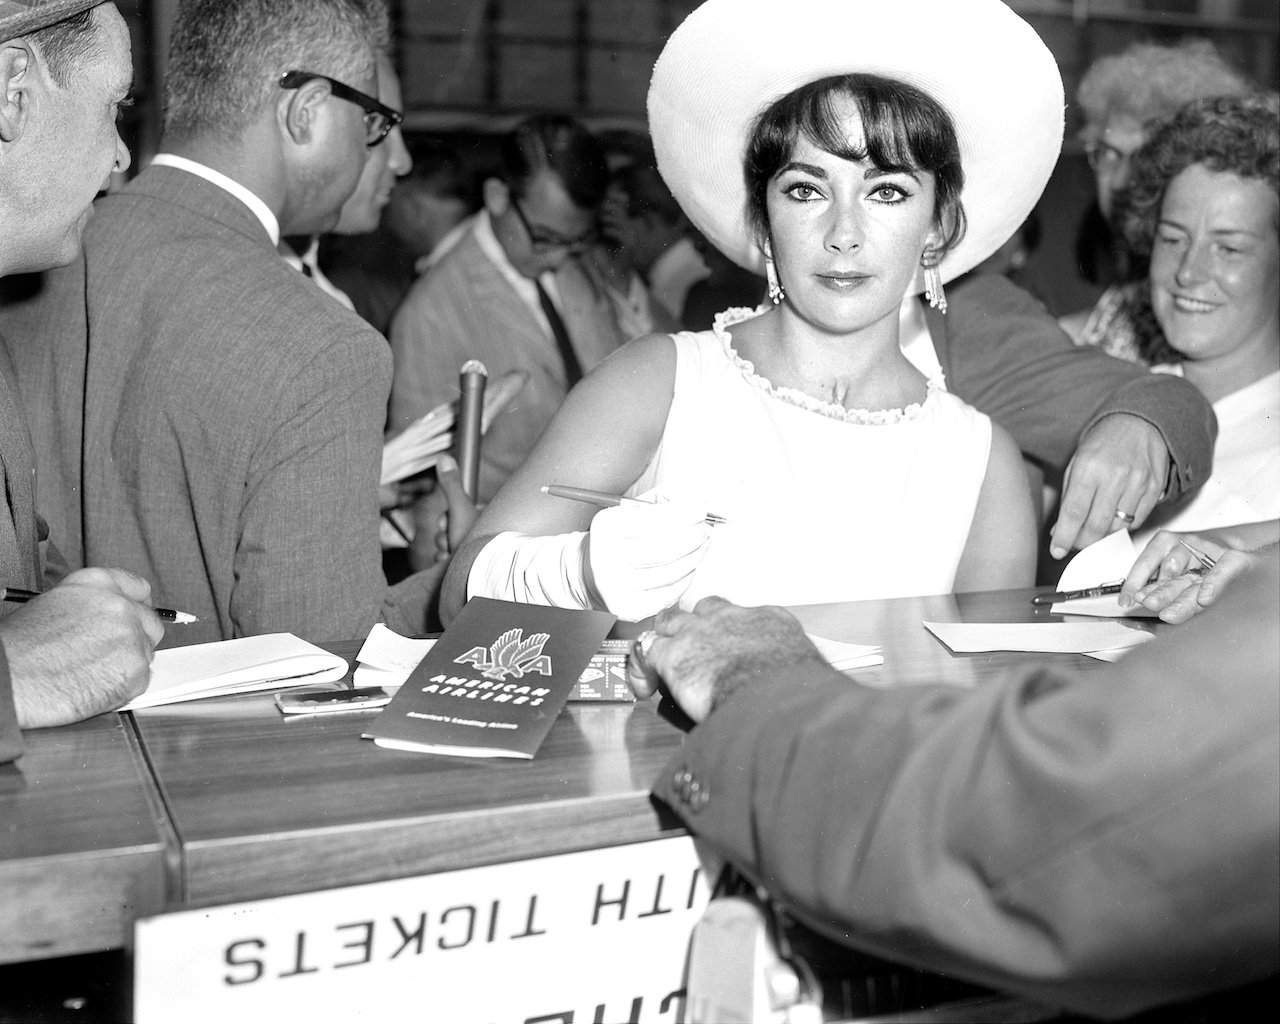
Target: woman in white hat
x=860 y=159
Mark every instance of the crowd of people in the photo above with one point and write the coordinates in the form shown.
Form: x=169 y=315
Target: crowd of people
x=775 y=325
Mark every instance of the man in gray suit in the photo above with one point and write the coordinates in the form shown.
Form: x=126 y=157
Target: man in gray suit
x=84 y=646
x=513 y=294
x=211 y=421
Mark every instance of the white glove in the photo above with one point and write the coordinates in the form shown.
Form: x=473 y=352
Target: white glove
x=533 y=570
x=642 y=555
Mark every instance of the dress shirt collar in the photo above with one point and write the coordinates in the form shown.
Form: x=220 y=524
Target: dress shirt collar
x=308 y=263
x=256 y=205
x=525 y=288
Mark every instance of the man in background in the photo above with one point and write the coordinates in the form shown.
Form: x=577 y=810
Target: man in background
x=377 y=270
x=512 y=294
x=84 y=646
x=642 y=215
x=207 y=418
x=387 y=161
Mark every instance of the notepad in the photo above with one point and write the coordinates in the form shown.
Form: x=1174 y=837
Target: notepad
x=248 y=664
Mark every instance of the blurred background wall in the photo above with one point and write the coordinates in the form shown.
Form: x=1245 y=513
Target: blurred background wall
x=470 y=68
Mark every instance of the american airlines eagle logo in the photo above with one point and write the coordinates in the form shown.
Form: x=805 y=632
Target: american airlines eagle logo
x=510 y=655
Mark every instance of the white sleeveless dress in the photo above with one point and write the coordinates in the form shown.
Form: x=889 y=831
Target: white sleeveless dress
x=823 y=504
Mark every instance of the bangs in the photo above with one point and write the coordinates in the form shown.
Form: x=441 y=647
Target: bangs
x=903 y=129
x=898 y=132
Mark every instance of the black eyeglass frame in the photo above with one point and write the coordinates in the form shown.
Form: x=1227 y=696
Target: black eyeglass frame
x=379 y=119
x=1105 y=157
x=541 y=243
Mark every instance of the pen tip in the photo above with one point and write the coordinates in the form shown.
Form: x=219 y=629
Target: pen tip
x=185 y=618
x=545 y=489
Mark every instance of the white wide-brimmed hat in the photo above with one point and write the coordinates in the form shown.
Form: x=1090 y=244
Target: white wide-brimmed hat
x=730 y=59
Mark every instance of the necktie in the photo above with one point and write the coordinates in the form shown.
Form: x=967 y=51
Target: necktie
x=572 y=368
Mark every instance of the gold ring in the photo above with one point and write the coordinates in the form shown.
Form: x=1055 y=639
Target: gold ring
x=640 y=650
x=1124 y=517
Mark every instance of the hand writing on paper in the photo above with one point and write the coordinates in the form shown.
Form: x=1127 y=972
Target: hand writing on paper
x=82 y=648
x=1121 y=465
x=642 y=555
x=700 y=657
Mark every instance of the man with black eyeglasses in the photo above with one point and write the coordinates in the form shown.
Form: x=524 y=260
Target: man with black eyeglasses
x=203 y=414
x=513 y=293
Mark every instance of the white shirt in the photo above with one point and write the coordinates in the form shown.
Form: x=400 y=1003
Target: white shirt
x=306 y=263
x=256 y=206
x=524 y=287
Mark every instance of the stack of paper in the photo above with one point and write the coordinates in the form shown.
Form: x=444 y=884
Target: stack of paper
x=1105 y=640
x=271 y=661
x=845 y=656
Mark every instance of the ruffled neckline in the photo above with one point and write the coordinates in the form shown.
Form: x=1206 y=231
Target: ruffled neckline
x=864 y=417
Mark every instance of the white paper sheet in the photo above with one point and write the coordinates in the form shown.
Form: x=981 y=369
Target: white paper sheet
x=271 y=661
x=1105 y=561
x=1042 y=637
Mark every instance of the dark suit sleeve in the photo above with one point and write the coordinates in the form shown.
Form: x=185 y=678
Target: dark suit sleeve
x=1104 y=841
x=1005 y=355
x=10 y=737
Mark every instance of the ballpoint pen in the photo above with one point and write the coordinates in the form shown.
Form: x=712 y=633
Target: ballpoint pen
x=607 y=500
x=1206 y=561
x=167 y=614
x=1072 y=595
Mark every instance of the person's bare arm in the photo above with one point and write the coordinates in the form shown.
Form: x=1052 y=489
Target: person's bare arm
x=602 y=438
x=1001 y=549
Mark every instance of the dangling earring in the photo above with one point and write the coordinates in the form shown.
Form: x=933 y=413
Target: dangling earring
x=933 y=287
x=776 y=294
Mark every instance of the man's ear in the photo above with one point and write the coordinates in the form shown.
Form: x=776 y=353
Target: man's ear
x=497 y=196
x=16 y=65
x=298 y=110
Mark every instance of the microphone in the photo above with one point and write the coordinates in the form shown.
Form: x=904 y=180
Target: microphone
x=467 y=430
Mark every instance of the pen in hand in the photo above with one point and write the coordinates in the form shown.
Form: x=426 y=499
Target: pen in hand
x=1206 y=561
x=1102 y=590
x=606 y=500
x=167 y=614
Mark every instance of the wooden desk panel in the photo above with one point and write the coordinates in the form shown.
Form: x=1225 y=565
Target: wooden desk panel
x=267 y=806
x=81 y=851
x=913 y=655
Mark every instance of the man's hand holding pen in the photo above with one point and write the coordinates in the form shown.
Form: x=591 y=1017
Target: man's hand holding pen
x=1177 y=575
x=81 y=648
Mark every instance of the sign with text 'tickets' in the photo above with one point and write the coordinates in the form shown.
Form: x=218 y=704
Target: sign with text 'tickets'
x=596 y=937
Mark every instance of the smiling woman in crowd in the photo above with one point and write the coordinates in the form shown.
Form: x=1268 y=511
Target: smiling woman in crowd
x=1204 y=205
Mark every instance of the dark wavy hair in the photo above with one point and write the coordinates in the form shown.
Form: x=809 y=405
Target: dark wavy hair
x=1236 y=134
x=904 y=129
x=560 y=144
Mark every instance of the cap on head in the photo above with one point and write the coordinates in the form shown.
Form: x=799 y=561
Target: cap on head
x=20 y=17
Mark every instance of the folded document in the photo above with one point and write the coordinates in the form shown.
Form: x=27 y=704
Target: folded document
x=271 y=661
